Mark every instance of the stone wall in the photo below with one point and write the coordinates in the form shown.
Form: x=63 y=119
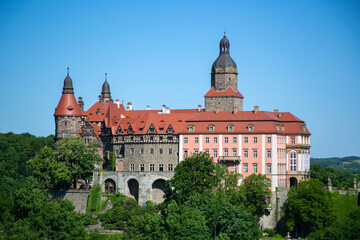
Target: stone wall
x=141 y=186
x=78 y=197
x=223 y=103
x=273 y=218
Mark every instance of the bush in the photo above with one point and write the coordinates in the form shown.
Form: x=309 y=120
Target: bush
x=94 y=200
x=270 y=232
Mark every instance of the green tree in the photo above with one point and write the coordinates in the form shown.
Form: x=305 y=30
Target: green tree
x=309 y=207
x=73 y=160
x=256 y=192
x=198 y=174
x=185 y=223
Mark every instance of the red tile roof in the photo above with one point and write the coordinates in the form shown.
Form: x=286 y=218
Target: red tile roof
x=141 y=120
x=229 y=92
x=67 y=106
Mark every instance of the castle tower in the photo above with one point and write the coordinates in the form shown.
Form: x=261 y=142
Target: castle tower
x=105 y=92
x=224 y=94
x=67 y=113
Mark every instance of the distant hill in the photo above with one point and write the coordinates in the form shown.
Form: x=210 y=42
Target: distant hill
x=349 y=165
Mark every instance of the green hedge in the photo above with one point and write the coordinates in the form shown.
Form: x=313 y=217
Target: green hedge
x=94 y=200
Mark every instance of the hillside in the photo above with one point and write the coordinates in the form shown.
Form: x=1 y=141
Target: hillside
x=349 y=164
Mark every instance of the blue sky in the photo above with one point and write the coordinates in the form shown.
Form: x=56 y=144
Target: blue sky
x=297 y=56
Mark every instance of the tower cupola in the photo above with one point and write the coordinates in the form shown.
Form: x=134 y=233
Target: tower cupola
x=68 y=86
x=224 y=60
x=105 y=91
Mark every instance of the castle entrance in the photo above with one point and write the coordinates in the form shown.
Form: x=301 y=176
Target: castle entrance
x=110 y=186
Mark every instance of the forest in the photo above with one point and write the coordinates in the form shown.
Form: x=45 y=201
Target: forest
x=204 y=200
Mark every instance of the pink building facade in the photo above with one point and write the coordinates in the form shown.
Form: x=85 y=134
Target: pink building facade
x=270 y=143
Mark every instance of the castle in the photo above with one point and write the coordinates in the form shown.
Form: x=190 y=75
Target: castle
x=273 y=143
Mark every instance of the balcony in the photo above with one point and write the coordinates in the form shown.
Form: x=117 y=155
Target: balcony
x=230 y=159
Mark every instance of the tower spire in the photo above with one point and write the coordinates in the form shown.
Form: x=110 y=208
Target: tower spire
x=68 y=86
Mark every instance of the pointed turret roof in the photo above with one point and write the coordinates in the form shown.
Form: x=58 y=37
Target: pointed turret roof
x=67 y=105
x=105 y=93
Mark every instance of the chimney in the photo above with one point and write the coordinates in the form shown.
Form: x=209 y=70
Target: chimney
x=129 y=106
x=163 y=108
x=148 y=107
x=199 y=108
x=217 y=110
x=81 y=103
x=236 y=109
x=256 y=109
x=276 y=111
x=117 y=101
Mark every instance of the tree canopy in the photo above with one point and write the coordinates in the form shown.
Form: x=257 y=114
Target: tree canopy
x=309 y=207
x=72 y=160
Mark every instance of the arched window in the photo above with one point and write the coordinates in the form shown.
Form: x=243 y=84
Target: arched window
x=293 y=162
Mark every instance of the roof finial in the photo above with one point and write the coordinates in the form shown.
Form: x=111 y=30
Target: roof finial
x=105 y=77
x=67 y=70
x=224 y=32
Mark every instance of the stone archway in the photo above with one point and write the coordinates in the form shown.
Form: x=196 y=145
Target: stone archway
x=158 y=190
x=110 y=186
x=293 y=182
x=133 y=186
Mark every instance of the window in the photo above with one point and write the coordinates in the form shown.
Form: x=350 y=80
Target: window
x=142 y=167
x=226 y=139
x=132 y=167
x=234 y=140
x=196 y=140
x=96 y=165
x=207 y=152
x=268 y=139
x=161 y=167
x=211 y=128
x=215 y=154
x=250 y=127
x=161 y=151
x=246 y=139
x=151 y=151
x=170 y=150
x=234 y=168
x=268 y=183
x=191 y=128
x=185 y=153
x=65 y=124
x=65 y=134
x=215 y=139
x=170 y=167
x=234 y=152
x=293 y=162
x=255 y=139
x=292 y=140
x=141 y=151
x=268 y=153
x=245 y=153
x=226 y=153
x=255 y=167
x=268 y=168
x=207 y=140
x=196 y=152
x=254 y=153
x=131 y=151
x=152 y=167
x=185 y=140
x=230 y=128
x=246 y=168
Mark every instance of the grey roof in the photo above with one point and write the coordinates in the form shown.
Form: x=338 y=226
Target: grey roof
x=105 y=93
x=224 y=58
x=68 y=87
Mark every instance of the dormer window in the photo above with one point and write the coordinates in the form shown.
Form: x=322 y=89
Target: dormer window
x=230 y=128
x=211 y=128
x=250 y=127
x=191 y=128
x=98 y=111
